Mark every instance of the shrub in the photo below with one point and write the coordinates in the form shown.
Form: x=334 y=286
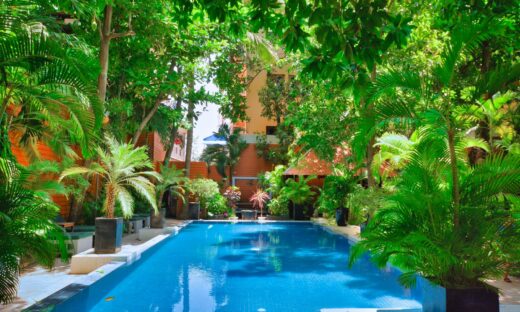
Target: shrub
x=217 y=204
x=203 y=190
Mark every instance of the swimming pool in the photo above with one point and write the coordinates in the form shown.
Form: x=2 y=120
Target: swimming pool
x=215 y=266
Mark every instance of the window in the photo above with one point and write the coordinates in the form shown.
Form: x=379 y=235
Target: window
x=270 y=130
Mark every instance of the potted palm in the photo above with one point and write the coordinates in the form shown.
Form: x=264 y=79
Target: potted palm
x=415 y=229
x=299 y=192
x=259 y=199
x=334 y=195
x=173 y=181
x=121 y=167
x=232 y=194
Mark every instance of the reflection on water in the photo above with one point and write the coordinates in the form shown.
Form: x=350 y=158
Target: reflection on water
x=250 y=267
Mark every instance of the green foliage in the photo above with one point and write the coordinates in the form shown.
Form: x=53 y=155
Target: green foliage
x=217 y=205
x=415 y=229
x=364 y=203
x=228 y=155
x=334 y=193
x=26 y=229
x=275 y=180
x=298 y=191
x=278 y=206
x=173 y=180
x=203 y=190
x=120 y=168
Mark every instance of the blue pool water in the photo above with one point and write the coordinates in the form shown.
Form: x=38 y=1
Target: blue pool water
x=247 y=267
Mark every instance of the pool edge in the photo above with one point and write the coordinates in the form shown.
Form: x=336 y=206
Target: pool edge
x=67 y=292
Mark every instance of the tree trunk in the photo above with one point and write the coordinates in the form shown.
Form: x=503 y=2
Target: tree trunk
x=370 y=159
x=454 y=174
x=110 y=201
x=103 y=52
x=370 y=148
x=173 y=135
x=189 y=140
x=160 y=98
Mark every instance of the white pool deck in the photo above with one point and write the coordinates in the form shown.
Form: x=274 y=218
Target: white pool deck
x=37 y=283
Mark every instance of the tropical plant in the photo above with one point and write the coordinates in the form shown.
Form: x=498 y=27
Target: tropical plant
x=233 y=195
x=274 y=180
x=259 y=199
x=120 y=168
x=334 y=193
x=415 y=230
x=203 y=190
x=52 y=91
x=217 y=205
x=278 y=206
x=298 y=191
x=26 y=229
x=364 y=203
x=173 y=181
x=227 y=155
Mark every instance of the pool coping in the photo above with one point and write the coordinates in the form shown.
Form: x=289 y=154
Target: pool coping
x=87 y=280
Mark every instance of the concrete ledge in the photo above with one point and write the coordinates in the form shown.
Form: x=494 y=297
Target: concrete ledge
x=146 y=234
x=88 y=261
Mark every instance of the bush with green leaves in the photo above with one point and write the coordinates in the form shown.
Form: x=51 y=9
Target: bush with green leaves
x=415 y=229
x=203 y=190
x=298 y=190
x=334 y=193
x=26 y=229
x=217 y=205
x=364 y=202
x=278 y=206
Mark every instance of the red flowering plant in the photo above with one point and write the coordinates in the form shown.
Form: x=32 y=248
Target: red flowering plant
x=232 y=194
x=259 y=199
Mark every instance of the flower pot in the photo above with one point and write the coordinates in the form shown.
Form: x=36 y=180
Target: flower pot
x=341 y=216
x=471 y=299
x=299 y=212
x=157 y=219
x=193 y=210
x=109 y=235
x=262 y=219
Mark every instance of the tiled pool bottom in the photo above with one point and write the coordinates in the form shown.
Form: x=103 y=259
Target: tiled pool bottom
x=248 y=267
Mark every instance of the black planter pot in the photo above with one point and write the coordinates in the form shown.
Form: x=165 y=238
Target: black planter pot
x=471 y=300
x=341 y=216
x=299 y=212
x=171 y=208
x=194 y=210
x=157 y=219
x=109 y=235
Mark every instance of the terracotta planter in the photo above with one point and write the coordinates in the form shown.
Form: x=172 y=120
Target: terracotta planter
x=157 y=220
x=471 y=299
x=109 y=235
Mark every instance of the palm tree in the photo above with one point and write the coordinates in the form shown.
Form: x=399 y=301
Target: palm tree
x=46 y=92
x=120 y=167
x=26 y=229
x=173 y=180
x=429 y=98
x=415 y=230
x=227 y=155
x=446 y=218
